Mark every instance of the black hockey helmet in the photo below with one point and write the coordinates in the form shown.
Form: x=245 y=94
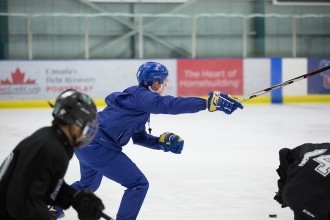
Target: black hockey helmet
x=73 y=107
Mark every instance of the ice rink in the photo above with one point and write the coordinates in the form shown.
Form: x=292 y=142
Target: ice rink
x=225 y=172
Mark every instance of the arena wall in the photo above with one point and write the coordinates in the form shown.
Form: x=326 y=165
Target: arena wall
x=34 y=83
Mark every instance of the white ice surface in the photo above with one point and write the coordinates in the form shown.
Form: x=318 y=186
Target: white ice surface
x=225 y=172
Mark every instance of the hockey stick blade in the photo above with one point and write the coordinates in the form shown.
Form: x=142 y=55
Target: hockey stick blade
x=280 y=85
x=105 y=216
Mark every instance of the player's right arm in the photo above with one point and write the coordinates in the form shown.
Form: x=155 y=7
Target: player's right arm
x=168 y=141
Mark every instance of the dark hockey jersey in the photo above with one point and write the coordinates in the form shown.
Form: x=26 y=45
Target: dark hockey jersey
x=31 y=177
x=305 y=180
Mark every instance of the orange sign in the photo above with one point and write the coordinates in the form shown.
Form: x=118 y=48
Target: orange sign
x=198 y=77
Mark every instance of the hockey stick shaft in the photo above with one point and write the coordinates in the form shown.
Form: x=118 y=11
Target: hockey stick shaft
x=280 y=85
x=105 y=216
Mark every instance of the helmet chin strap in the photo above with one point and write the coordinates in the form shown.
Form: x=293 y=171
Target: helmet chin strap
x=73 y=136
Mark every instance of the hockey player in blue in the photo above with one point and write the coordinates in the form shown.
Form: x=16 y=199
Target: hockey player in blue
x=125 y=118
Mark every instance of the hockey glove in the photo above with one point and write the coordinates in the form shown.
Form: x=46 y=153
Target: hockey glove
x=171 y=142
x=278 y=198
x=88 y=206
x=222 y=102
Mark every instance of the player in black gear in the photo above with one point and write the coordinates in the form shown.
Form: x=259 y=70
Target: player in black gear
x=31 y=177
x=304 y=183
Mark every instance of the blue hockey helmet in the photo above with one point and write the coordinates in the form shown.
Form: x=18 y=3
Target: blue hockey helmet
x=150 y=71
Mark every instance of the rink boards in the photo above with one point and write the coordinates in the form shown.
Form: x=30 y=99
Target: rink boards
x=33 y=83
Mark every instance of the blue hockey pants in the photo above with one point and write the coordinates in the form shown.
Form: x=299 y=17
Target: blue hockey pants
x=97 y=161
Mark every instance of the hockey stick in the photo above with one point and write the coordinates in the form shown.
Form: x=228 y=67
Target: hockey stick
x=105 y=216
x=280 y=85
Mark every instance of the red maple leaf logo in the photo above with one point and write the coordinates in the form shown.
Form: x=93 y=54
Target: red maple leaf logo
x=17 y=78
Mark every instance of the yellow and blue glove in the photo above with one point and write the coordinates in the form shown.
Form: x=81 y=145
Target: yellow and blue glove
x=171 y=142
x=218 y=101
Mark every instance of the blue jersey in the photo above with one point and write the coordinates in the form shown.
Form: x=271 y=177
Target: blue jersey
x=127 y=113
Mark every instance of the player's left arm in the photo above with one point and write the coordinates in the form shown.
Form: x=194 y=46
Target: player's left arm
x=219 y=101
x=154 y=103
